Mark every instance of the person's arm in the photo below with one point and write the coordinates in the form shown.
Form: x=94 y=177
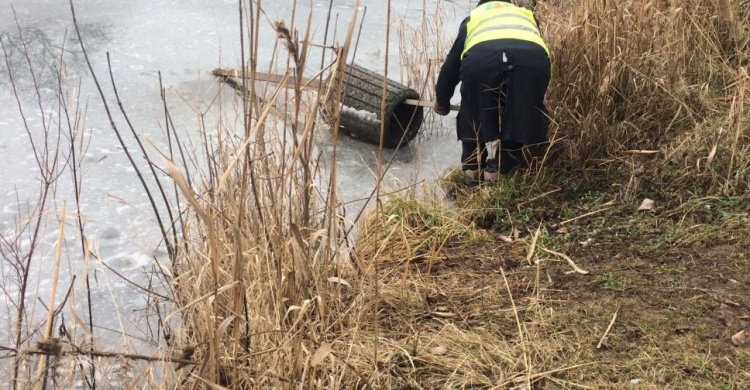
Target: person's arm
x=450 y=73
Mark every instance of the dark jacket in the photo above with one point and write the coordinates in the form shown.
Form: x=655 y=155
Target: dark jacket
x=450 y=73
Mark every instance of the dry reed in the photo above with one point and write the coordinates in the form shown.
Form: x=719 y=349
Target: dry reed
x=661 y=76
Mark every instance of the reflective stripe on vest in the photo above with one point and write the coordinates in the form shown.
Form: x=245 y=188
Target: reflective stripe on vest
x=499 y=20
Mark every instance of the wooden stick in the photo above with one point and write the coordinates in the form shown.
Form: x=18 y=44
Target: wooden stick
x=532 y=247
x=56 y=350
x=427 y=104
x=569 y=260
x=290 y=81
x=609 y=328
x=306 y=83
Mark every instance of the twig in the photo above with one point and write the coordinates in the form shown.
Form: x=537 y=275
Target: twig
x=47 y=181
x=107 y=355
x=534 y=199
x=583 y=216
x=137 y=138
x=67 y=295
x=532 y=247
x=148 y=291
x=609 y=328
x=569 y=260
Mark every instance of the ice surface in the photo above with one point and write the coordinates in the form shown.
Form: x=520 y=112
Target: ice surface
x=183 y=40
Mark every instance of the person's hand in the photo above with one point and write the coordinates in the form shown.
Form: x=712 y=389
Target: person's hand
x=441 y=110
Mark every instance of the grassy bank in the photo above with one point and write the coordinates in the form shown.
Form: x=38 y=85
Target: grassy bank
x=675 y=277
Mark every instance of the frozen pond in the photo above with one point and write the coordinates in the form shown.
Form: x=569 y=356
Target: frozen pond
x=184 y=40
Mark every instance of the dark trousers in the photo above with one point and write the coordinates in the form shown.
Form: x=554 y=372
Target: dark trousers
x=475 y=156
x=502 y=98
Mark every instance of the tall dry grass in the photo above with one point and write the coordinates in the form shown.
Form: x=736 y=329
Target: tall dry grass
x=267 y=300
x=271 y=292
x=666 y=79
x=261 y=275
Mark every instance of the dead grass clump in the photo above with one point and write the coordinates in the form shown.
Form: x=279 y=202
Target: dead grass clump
x=443 y=311
x=409 y=226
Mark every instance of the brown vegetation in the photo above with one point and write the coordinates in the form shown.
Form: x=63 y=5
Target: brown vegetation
x=548 y=279
x=423 y=299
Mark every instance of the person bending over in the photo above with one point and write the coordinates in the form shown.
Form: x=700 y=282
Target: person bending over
x=504 y=68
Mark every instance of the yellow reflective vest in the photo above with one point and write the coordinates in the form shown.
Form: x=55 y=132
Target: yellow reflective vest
x=500 y=20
